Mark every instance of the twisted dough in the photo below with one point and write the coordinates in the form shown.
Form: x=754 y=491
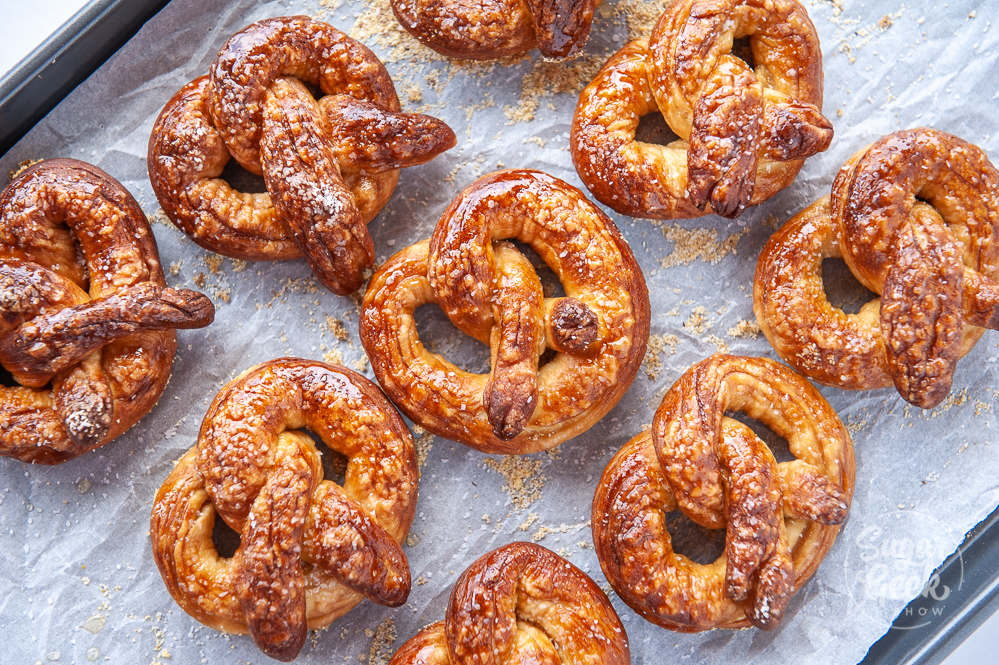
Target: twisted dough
x=488 y=29
x=744 y=132
x=915 y=216
x=780 y=518
x=86 y=319
x=329 y=166
x=521 y=604
x=309 y=548
x=490 y=291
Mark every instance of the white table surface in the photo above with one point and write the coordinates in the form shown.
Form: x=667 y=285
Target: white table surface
x=27 y=24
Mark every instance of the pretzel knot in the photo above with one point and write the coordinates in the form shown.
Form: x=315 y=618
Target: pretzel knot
x=780 y=519
x=490 y=291
x=915 y=216
x=521 y=604
x=743 y=131
x=86 y=319
x=309 y=549
x=496 y=28
x=329 y=166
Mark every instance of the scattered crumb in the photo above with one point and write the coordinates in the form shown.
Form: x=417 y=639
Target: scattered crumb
x=658 y=344
x=531 y=519
x=745 y=329
x=697 y=321
x=337 y=328
x=690 y=245
x=328 y=6
x=718 y=342
x=159 y=217
x=550 y=78
x=640 y=16
x=544 y=530
x=214 y=262
x=837 y=6
x=382 y=641
x=523 y=475
x=424 y=442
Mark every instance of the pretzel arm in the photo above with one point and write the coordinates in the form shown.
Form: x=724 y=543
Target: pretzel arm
x=51 y=343
x=921 y=312
x=368 y=138
x=723 y=140
x=360 y=554
x=269 y=581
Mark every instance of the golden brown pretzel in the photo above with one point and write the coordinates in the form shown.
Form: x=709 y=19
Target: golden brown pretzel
x=521 y=604
x=744 y=132
x=495 y=28
x=310 y=550
x=490 y=291
x=86 y=319
x=329 y=165
x=780 y=518
x=915 y=216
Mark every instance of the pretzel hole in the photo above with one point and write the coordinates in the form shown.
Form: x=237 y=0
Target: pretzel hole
x=440 y=336
x=775 y=442
x=547 y=356
x=842 y=288
x=242 y=180
x=334 y=462
x=225 y=539
x=551 y=285
x=692 y=540
x=743 y=49
x=652 y=128
x=7 y=379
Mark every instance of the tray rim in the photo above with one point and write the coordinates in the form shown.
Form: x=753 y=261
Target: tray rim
x=67 y=57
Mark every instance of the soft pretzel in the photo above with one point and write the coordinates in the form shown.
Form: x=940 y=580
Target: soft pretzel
x=310 y=550
x=495 y=28
x=780 y=518
x=490 y=291
x=744 y=132
x=521 y=604
x=329 y=165
x=915 y=216
x=86 y=319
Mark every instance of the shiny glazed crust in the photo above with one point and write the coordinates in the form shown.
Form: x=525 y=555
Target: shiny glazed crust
x=495 y=28
x=780 y=518
x=329 y=166
x=933 y=260
x=86 y=319
x=744 y=132
x=490 y=291
x=521 y=604
x=310 y=550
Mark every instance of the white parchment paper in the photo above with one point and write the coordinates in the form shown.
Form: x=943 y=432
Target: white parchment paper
x=77 y=576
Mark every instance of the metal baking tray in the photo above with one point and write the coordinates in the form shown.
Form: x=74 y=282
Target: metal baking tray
x=961 y=594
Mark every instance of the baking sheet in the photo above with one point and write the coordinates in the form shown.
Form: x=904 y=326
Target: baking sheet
x=77 y=576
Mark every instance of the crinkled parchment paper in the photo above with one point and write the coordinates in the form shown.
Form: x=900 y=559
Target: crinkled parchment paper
x=78 y=580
